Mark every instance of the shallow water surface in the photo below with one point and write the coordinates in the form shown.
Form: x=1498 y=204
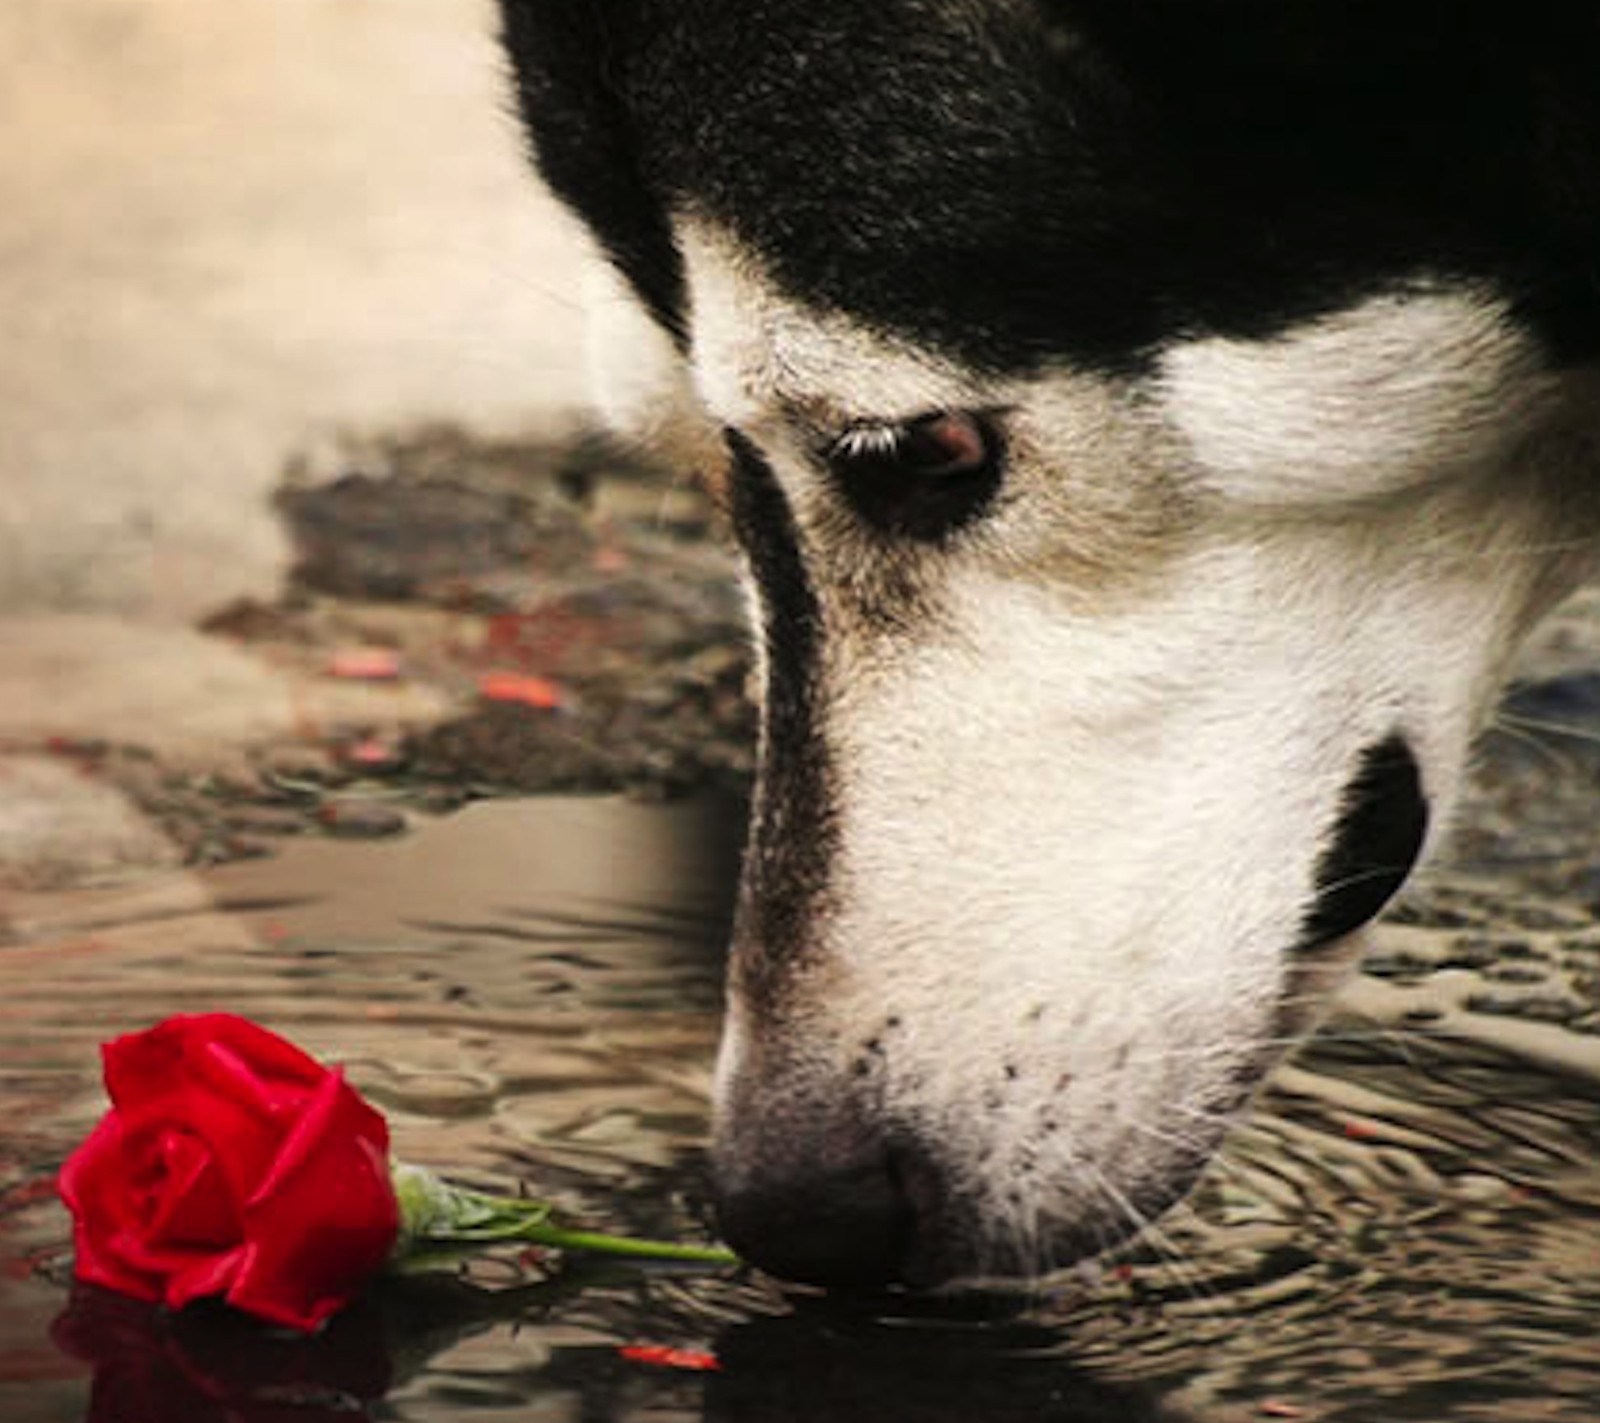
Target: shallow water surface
x=1407 y=1228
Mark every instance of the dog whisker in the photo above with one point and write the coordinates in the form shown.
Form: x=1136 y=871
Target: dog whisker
x=1171 y=1258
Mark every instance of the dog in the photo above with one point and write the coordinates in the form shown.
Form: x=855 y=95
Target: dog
x=1148 y=426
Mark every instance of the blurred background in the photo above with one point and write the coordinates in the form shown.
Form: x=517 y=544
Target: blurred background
x=230 y=229
x=296 y=468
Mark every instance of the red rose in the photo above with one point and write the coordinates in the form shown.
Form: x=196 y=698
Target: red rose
x=231 y=1164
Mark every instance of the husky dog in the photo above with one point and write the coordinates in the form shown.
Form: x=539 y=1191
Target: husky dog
x=1149 y=426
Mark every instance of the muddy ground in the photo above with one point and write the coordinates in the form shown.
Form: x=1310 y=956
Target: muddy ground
x=578 y=608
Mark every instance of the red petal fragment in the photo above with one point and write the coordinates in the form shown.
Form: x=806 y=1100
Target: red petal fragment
x=365 y=664
x=664 y=1356
x=522 y=687
x=372 y=751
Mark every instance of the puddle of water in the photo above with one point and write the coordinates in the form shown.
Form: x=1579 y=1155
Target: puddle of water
x=1408 y=1228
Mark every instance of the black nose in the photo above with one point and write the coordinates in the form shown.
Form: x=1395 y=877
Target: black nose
x=815 y=1208
x=1375 y=843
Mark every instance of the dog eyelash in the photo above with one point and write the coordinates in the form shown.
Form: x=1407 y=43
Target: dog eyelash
x=869 y=441
x=884 y=440
x=938 y=444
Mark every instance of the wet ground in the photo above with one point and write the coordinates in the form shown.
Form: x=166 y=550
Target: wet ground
x=1408 y=1228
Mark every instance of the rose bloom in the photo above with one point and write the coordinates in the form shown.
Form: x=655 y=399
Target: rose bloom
x=231 y=1164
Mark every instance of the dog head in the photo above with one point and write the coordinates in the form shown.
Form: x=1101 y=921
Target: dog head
x=1148 y=428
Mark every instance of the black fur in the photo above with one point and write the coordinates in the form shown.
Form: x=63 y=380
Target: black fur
x=784 y=885
x=1085 y=179
x=1374 y=846
x=569 y=60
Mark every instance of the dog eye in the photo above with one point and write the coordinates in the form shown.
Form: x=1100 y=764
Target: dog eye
x=924 y=479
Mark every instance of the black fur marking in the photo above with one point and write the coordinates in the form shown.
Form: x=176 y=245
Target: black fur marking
x=792 y=833
x=571 y=91
x=1088 y=179
x=1376 y=842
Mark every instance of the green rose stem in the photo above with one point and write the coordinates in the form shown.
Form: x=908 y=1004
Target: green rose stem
x=435 y=1213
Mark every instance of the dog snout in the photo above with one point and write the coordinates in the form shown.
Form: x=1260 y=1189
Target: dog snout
x=842 y=1226
x=820 y=1196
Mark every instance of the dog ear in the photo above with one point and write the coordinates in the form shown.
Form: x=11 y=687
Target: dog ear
x=571 y=63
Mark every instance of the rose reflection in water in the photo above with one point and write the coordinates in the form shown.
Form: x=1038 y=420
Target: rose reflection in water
x=210 y=1364
x=206 y=1364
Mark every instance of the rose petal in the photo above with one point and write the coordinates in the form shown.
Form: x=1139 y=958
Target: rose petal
x=325 y=1218
x=138 y=1252
x=90 y=1183
x=207 y=1274
x=81 y=1175
x=225 y=1079
x=163 y=1060
x=113 y=1245
x=103 y=1268
x=335 y=1115
x=224 y=1070
x=241 y=1145
x=196 y=1209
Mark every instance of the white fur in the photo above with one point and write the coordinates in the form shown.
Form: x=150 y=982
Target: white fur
x=1117 y=819
x=1398 y=390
